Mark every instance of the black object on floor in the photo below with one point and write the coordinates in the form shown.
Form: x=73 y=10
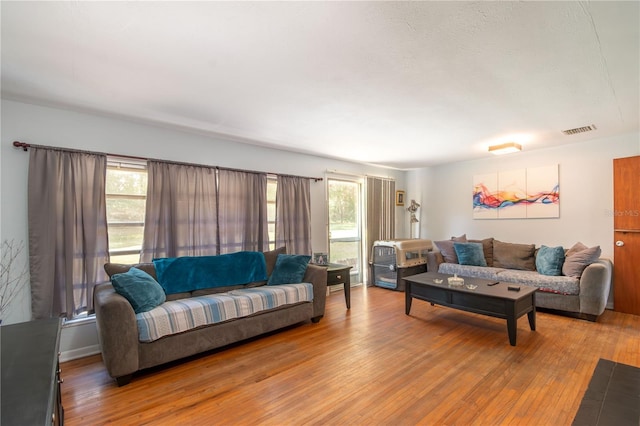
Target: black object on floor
x=612 y=398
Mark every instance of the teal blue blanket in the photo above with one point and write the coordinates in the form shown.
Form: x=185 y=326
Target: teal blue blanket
x=185 y=274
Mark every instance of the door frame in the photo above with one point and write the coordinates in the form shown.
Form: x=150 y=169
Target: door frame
x=357 y=277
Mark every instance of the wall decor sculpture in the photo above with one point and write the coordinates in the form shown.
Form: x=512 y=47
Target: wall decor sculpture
x=524 y=193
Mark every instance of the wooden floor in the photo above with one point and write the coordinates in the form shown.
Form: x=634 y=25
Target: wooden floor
x=370 y=365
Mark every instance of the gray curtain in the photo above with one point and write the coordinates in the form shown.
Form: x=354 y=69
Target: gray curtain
x=381 y=216
x=242 y=214
x=180 y=218
x=293 y=214
x=68 y=243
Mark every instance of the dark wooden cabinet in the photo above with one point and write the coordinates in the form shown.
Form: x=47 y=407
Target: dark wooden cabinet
x=31 y=373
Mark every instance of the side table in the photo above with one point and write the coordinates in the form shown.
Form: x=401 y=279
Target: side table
x=336 y=274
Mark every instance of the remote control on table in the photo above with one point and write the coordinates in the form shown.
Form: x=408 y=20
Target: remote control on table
x=513 y=288
x=494 y=283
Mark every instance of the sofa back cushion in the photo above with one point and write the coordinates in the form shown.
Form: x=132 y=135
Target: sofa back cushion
x=487 y=248
x=514 y=256
x=121 y=268
x=270 y=258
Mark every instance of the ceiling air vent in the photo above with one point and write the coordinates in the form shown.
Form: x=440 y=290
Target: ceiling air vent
x=579 y=130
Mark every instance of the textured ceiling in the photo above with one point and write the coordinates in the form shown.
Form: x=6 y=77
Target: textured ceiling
x=398 y=84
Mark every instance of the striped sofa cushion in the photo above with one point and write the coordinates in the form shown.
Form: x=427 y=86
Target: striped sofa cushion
x=181 y=315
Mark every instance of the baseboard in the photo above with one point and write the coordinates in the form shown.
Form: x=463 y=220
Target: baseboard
x=79 y=353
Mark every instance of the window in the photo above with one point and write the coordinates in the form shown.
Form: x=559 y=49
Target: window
x=272 y=186
x=126 y=194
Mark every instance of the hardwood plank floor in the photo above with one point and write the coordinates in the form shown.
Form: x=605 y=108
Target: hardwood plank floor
x=370 y=365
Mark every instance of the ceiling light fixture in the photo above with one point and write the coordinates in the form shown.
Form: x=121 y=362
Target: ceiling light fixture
x=505 y=148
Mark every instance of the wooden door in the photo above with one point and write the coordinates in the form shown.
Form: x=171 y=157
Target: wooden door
x=626 y=224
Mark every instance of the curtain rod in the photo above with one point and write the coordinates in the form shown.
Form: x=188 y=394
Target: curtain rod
x=26 y=146
x=338 y=172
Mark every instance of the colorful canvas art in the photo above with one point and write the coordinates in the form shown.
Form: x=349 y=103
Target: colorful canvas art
x=524 y=193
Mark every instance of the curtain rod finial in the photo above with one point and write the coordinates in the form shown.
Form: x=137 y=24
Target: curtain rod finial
x=22 y=145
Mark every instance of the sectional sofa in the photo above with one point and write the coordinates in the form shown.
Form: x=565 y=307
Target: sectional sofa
x=574 y=281
x=143 y=323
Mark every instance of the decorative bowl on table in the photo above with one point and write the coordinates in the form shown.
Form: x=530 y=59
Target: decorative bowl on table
x=455 y=281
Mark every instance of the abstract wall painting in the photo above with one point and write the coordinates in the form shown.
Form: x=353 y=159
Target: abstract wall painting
x=517 y=194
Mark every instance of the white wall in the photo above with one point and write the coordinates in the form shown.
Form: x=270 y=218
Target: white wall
x=420 y=187
x=586 y=196
x=58 y=127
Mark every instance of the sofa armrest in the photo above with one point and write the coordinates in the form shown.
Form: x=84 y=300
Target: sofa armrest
x=117 y=331
x=434 y=259
x=317 y=275
x=595 y=285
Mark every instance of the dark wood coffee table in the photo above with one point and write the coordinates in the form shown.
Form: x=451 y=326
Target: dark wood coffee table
x=492 y=300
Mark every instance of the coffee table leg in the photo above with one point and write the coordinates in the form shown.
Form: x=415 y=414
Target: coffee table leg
x=407 y=297
x=512 y=322
x=512 y=329
x=532 y=319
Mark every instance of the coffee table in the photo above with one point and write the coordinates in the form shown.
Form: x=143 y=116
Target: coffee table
x=493 y=300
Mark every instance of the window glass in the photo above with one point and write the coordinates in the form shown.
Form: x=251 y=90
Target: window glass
x=126 y=190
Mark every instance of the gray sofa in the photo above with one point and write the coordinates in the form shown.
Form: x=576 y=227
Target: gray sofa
x=123 y=353
x=582 y=294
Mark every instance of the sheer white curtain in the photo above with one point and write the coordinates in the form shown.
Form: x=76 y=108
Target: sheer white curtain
x=293 y=214
x=181 y=212
x=68 y=244
x=242 y=215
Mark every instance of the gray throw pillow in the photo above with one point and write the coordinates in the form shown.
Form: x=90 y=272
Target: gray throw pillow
x=514 y=256
x=578 y=258
x=447 y=250
x=577 y=247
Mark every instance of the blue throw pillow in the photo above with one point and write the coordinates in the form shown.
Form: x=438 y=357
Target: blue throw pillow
x=289 y=269
x=470 y=254
x=549 y=260
x=139 y=288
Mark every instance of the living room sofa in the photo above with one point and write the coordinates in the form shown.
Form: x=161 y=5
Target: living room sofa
x=130 y=341
x=575 y=281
